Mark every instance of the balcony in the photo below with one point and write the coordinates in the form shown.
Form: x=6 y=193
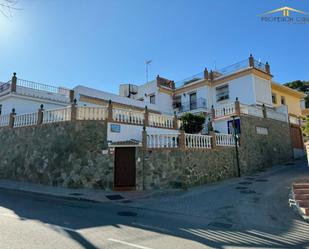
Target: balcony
x=198 y=105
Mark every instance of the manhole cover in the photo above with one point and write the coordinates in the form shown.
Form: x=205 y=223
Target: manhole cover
x=114 y=197
x=220 y=225
x=76 y=194
x=241 y=187
x=245 y=183
x=261 y=180
x=127 y=213
x=247 y=191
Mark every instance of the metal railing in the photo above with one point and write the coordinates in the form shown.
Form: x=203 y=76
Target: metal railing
x=26 y=119
x=224 y=139
x=57 y=115
x=190 y=79
x=189 y=106
x=232 y=68
x=260 y=65
x=197 y=141
x=91 y=113
x=162 y=140
x=4 y=86
x=43 y=87
x=159 y=120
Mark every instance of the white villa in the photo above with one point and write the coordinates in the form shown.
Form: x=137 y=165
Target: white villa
x=210 y=93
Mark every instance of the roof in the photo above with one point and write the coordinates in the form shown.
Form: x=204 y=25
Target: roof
x=287 y=90
x=126 y=143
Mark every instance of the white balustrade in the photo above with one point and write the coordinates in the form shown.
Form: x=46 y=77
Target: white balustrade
x=256 y=111
x=4 y=120
x=128 y=116
x=276 y=115
x=162 y=140
x=91 y=113
x=160 y=120
x=226 y=110
x=197 y=141
x=224 y=139
x=57 y=115
x=26 y=119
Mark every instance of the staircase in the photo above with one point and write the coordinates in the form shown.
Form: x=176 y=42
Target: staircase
x=300 y=193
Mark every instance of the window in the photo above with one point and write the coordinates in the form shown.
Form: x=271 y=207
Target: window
x=222 y=92
x=274 y=98
x=192 y=101
x=282 y=100
x=177 y=101
x=0 y=109
x=152 y=99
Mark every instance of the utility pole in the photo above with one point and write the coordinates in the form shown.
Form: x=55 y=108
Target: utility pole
x=147 y=62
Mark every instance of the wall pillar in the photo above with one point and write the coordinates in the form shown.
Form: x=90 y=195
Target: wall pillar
x=71 y=96
x=110 y=111
x=40 y=115
x=213 y=139
x=14 y=83
x=182 y=140
x=267 y=68
x=206 y=74
x=264 y=111
x=175 y=122
x=146 y=117
x=12 y=118
x=251 y=61
x=73 y=110
x=237 y=107
x=144 y=138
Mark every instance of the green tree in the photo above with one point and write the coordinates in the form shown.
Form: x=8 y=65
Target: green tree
x=192 y=123
x=305 y=128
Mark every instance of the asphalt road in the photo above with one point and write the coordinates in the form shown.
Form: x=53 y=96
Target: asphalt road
x=251 y=212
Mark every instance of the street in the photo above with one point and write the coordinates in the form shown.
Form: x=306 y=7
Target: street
x=252 y=211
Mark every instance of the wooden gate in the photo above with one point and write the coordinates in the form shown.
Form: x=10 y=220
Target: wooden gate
x=296 y=136
x=124 y=174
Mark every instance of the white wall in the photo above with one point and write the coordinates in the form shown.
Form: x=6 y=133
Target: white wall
x=128 y=132
x=221 y=126
x=25 y=105
x=109 y=96
x=241 y=87
x=262 y=89
x=165 y=103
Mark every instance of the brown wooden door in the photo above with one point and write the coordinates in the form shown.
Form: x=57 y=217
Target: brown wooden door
x=296 y=135
x=124 y=167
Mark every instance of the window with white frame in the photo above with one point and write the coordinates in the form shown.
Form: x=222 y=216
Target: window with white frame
x=222 y=93
x=152 y=99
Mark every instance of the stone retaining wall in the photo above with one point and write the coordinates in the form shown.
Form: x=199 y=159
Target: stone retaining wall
x=65 y=154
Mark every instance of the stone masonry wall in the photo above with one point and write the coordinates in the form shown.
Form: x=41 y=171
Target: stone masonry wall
x=175 y=168
x=64 y=154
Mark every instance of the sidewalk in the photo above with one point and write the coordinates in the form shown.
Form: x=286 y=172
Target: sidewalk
x=92 y=195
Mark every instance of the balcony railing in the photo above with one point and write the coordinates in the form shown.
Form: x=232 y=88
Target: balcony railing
x=200 y=103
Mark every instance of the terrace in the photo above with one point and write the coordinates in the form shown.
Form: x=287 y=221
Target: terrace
x=34 y=89
x=231 y=69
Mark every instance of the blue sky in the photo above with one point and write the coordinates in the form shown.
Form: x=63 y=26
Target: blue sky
x=102 y=43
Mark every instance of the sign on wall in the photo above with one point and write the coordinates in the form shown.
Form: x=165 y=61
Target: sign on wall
x=261 y=130
x=115 y=128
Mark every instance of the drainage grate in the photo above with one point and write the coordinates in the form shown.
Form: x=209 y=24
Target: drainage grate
x=245 y=183
x=240 y=187
x=247 y=191
x=127 y=213
x=114 y=197
x=76 y=194
x=261 y=180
